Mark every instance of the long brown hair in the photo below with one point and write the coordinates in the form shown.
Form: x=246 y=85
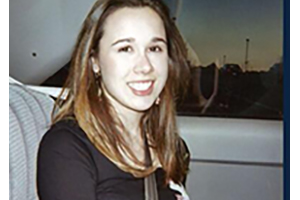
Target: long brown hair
x=97 y=117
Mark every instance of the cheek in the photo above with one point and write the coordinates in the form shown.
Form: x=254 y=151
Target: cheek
x=159 y=60
x=162 y=68
x=113 y=68
x=165 y=70
x=109 y=73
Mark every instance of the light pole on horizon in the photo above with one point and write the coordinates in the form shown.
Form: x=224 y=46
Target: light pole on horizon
x=224 y=60
x=247 y=52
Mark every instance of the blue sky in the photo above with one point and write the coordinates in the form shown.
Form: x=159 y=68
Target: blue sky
x=215 y=28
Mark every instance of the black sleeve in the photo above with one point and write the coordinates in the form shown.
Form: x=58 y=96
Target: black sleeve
x=65 y=169
x=187 y=158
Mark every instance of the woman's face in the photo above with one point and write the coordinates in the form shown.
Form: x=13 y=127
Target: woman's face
x=133 y=58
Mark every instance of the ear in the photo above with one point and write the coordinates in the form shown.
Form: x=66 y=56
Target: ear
x=95 y=65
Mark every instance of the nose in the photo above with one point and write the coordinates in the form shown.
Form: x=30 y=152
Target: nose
x=143 y=66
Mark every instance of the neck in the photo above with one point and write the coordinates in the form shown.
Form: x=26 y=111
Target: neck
x=131 y=121
x=129 y=118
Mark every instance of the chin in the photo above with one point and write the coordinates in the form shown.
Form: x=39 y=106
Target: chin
x=142 y=106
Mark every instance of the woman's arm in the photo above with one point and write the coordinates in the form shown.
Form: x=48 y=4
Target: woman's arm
x=65 y=169
x=187 y=159
x=185 y=153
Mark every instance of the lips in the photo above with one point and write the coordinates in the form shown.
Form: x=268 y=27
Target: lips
x=141 y=88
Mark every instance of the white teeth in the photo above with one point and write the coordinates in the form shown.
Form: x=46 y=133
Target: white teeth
x=140 y=86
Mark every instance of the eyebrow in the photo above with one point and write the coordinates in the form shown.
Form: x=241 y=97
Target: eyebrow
x=123 y=40
x=155 y=39
x=158 y=39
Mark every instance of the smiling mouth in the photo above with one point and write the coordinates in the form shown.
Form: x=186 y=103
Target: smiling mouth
x=141 y=88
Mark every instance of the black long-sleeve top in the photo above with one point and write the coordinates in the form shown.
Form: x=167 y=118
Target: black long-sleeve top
x=69 y=167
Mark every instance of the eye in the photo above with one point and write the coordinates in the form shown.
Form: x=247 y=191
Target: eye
x=125 y=49
x=155 y=49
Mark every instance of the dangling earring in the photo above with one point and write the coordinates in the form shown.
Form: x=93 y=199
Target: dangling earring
x=97 y=77
x=157 y=101
x=99 y=92
x=97 y=73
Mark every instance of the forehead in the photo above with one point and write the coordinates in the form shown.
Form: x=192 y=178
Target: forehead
x=134 y=22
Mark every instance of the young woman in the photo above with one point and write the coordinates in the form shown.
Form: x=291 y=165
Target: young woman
x=115 y=136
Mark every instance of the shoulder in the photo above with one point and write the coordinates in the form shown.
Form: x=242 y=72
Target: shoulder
x=184 y=152
x=183 y=148
x=64 y=163
x=184 y=145
x=63 y=131
x=64 y=137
